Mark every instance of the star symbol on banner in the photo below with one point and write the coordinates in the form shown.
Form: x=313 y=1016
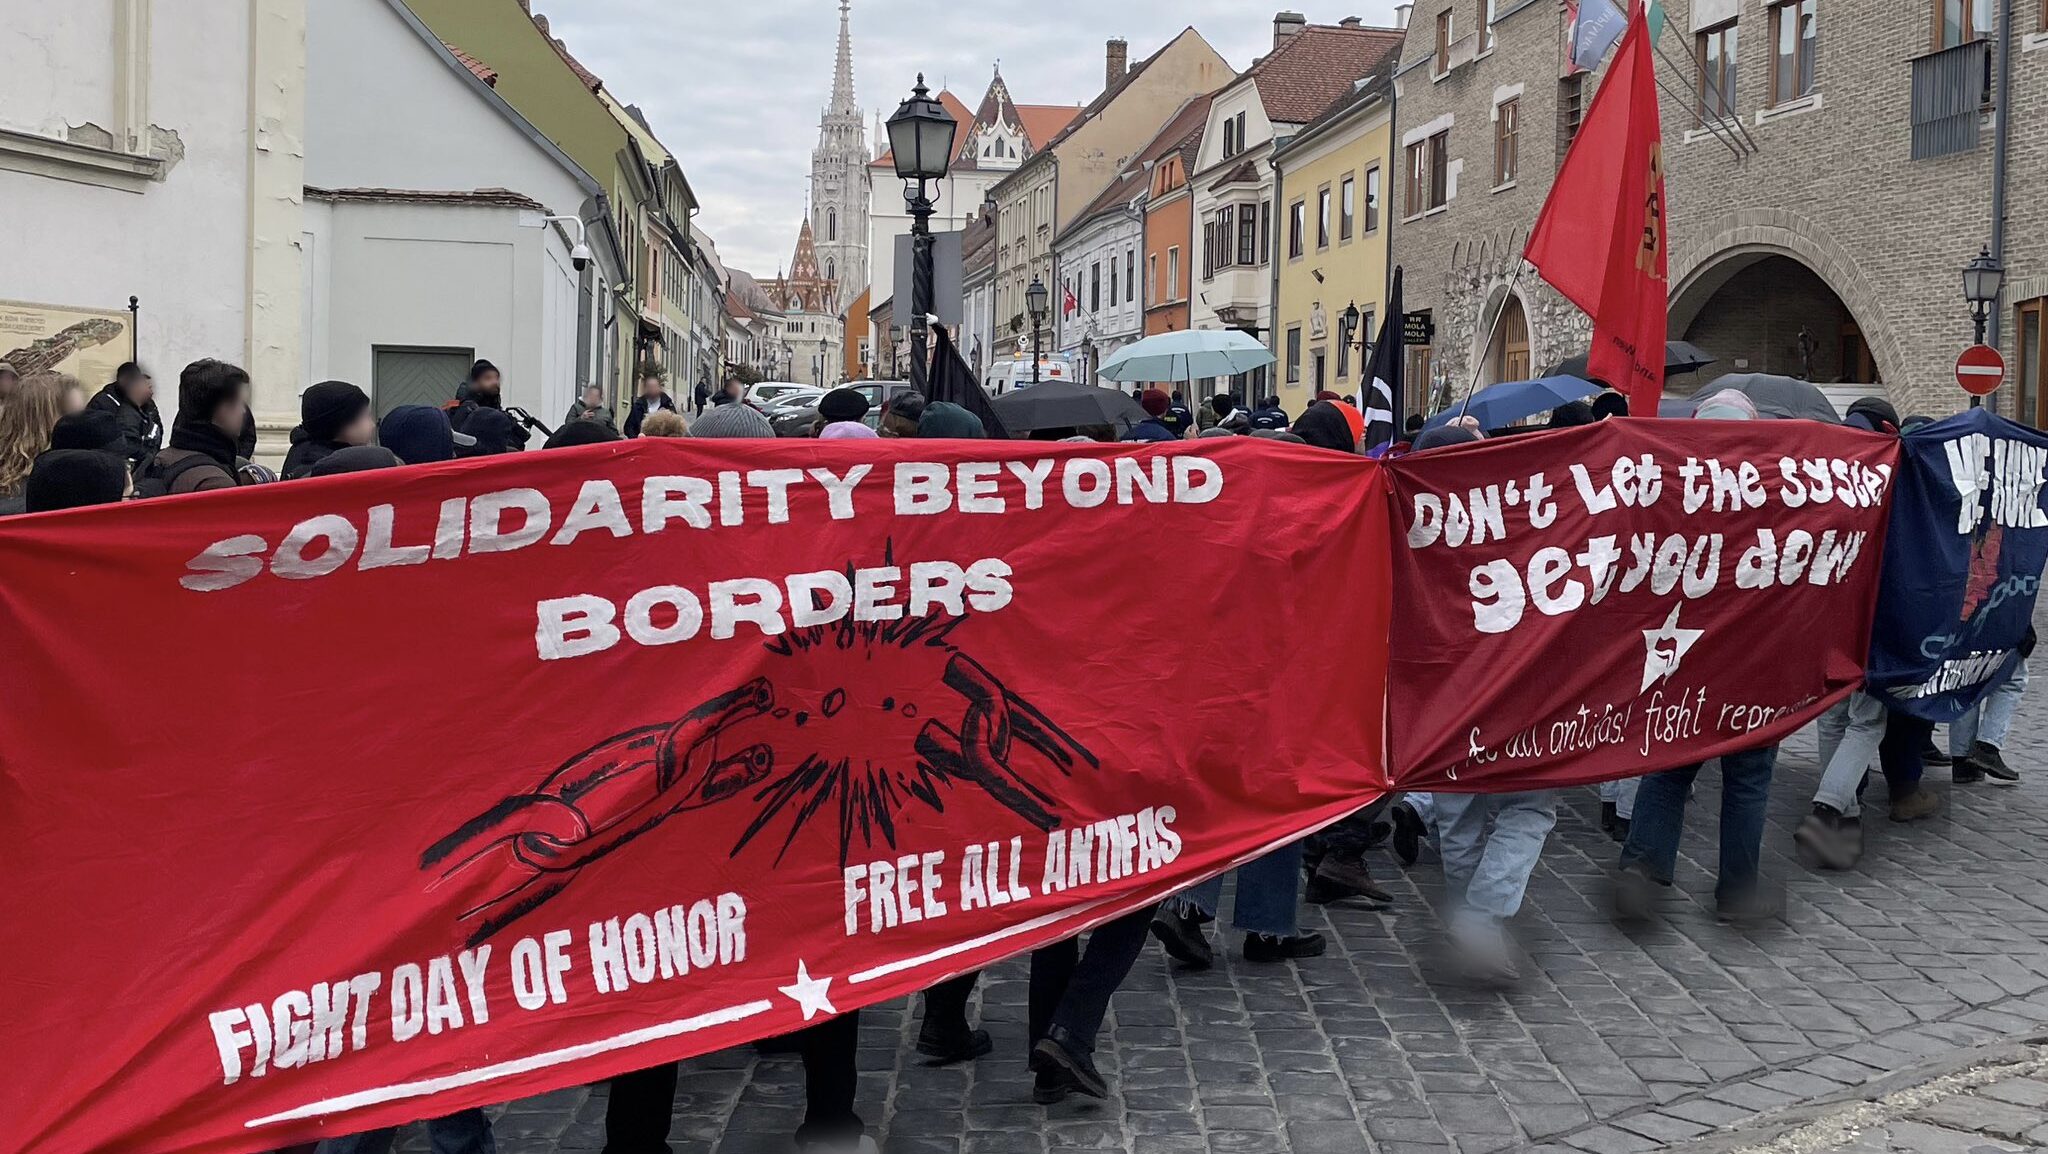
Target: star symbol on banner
x=809 y=993
x=1666 y=648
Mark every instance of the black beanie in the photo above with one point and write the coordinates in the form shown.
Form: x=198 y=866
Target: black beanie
x=328 y=407
x=87 y=429
x=582 y=433
x=73 y=478
x=1878 y=410
x=843 y=405
x=356 y=459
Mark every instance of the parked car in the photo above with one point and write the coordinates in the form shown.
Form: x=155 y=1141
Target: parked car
x=797 y=422
x=788 y=399
x=760 y=393
x=1015 y=373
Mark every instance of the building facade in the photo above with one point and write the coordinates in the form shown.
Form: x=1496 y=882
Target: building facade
x=978 y=292
x=1814 y=227
x=812 y=328
x=427 y=248
x=1061 y=179
x=1100 y=293
x=1169 y=234
x=543 y=80
x=989 y=142
x=1341 y=158
x=147 y=178
x=1242 y=230
x=839 y=180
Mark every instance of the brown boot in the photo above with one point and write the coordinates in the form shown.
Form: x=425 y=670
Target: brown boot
x=1922 y=802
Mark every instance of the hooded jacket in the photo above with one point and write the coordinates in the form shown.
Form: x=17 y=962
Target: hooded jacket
x=200 y=458
x=142 y=427
x=307 y=452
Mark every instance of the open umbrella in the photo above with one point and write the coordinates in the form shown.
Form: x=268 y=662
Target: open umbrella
x=1503 y=404
x=1066 y=405
x=1773 y=396
x=1187 y=356
x=1679 y=357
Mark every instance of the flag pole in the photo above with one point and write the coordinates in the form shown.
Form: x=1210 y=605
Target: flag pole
x=1491 y=331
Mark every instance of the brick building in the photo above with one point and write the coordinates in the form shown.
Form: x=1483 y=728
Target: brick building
x=1829 y=173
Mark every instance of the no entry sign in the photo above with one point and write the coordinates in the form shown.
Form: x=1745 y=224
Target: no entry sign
x=1980 y=369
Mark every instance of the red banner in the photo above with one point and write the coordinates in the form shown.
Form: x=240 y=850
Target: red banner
x=1629 y=596
x=355 y=800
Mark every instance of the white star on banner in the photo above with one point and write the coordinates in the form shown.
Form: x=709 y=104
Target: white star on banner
x=809 y=993
x=1666 y=648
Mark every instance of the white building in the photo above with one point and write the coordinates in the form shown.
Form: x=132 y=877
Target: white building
x=989 y=143
x=1097 y=309
x=1236 y=223
x=129 y=169
x=426 y=233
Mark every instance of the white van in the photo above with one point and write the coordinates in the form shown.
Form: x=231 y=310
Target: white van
x=1015 y=373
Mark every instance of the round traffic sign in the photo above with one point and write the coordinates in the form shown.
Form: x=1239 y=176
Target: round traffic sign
x=1980 y=369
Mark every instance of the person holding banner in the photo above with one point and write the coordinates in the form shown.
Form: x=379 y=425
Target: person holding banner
x=1976 y=738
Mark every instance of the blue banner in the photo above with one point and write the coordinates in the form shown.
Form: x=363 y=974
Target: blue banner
x=1962 y=564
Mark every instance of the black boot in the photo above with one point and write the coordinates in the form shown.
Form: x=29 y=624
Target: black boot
x=1835 y=841
x=1267 y=948
x=1408 y=832
x=947 y=1045
x=1337 y=878
x=1182 y=936
x=1058 y=1051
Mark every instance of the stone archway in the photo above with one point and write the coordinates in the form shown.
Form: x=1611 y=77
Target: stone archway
x=1744 y=243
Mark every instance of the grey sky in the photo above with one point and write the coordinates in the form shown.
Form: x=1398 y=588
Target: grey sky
x=735 y=87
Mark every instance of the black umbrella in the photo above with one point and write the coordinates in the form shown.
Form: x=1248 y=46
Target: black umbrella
x=1066 y=405
x=1785 y=398
x=1679 y=357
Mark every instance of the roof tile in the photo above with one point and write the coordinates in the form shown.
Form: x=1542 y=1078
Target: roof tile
x=1316 y=67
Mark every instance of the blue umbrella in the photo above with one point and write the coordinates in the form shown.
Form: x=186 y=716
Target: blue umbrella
x=1503 y=404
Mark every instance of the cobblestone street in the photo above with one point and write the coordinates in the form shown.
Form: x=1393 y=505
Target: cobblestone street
x=1617 y=1039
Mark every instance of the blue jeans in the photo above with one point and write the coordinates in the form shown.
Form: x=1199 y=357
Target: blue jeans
x=1487 y=871
x=1623 y=794
x=1268 y=889
x=1652 y=844
x=1996 y=712
x=463 y=1132
x=1850 y=733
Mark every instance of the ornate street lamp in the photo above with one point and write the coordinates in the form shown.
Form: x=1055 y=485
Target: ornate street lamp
x=1983 y=280
x=1035 y=304
x=921 y=141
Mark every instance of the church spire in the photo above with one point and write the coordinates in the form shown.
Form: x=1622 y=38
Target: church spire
x=842 y=69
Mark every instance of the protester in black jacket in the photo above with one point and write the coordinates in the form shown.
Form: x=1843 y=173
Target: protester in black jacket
x=132 y=399
x=481 y=415
x=333 y=415
x=213 y=413
x=652 y=399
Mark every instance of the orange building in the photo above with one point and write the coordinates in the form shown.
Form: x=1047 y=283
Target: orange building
x=853 y=325
x=1169 y=234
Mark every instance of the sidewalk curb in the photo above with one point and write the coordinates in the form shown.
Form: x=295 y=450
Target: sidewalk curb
x=1770 y=1127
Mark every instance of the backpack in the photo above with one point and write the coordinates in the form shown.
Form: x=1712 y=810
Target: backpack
x=157 y=477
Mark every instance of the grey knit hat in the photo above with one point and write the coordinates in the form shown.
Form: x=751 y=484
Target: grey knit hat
x=731 y=421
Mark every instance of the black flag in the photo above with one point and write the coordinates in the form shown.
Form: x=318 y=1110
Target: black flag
x=951 y=380
x=1383 y=396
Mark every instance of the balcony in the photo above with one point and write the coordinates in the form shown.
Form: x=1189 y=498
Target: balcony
x=1951 y=90
x=1241 y=287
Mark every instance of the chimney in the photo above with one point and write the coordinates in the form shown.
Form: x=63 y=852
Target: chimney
x=1350 y=22
x=1117 y=61
x=1286 y=24
x=1401 y=12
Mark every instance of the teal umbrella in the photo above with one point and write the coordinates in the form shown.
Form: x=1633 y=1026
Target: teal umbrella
x=1187 y=356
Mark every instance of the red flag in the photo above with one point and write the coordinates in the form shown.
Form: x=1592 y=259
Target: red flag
x=1600 y=237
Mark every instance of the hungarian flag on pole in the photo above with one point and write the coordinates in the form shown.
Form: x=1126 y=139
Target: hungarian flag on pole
x=1600 y=237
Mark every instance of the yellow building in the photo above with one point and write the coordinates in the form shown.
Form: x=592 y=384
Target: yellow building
x=1330 y=182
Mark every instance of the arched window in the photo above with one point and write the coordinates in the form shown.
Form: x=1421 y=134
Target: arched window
x=831 y=268
x=1509 y=357
x=831 y=224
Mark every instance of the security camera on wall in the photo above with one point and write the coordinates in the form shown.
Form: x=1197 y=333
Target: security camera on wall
x=580 y=256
